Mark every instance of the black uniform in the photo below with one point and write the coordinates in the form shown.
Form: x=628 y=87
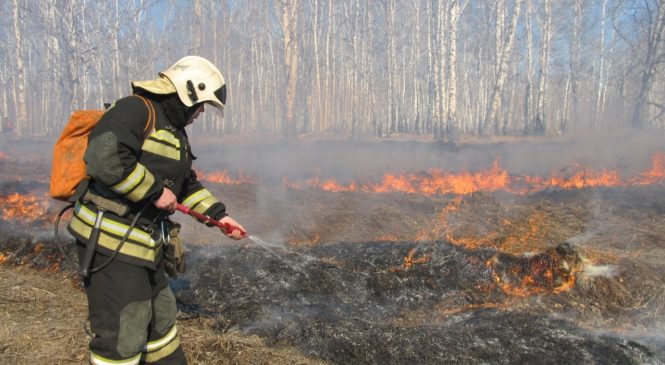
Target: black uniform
x=132 y=309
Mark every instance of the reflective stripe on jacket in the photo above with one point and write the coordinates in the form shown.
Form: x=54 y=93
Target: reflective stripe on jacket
x=129 y=168
x=140 y=248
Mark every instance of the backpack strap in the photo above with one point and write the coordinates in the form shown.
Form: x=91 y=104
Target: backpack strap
x=152 y=116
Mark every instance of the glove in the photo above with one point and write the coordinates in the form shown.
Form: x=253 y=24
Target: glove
x=175 y=252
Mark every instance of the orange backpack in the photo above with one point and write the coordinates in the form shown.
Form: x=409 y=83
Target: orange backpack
x=68 y=167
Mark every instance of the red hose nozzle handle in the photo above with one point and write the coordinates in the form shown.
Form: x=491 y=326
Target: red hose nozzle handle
x=226 y=227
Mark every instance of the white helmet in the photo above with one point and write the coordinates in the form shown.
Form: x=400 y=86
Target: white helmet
x=197 y=80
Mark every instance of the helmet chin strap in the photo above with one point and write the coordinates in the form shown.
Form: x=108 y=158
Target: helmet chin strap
x=192 y=112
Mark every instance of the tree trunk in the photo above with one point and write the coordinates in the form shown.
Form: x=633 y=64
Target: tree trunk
x=414 y=61
x=528 y=92
x=655 y=36
x=318 y=124
x=440 y=69
x=546 y=35
x=502 y=72
x=21 y=123
x=431 y=69
x=598 y=117
x=456 y=9
x=289 y=29
x=575 y=66
x=392 y=61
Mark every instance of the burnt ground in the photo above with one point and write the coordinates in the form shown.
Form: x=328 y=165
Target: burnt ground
x=561 y=276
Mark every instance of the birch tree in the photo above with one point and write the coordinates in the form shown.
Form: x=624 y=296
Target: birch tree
x=439 y=67
x=571 y=104
x=528 y=92
x=653 y=56
x=440 y=64
x=21 y=123
x=540 y=122
x=318 y=106
x=502 y=69
x=4 y=114
x=289 y=19
x=600 y=90
x=456 y=8
x=392 y=62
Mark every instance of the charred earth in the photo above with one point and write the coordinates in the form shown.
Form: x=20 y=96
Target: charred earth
x=566 y=274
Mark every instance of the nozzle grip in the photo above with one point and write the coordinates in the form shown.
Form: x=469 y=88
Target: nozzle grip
x=226 y=227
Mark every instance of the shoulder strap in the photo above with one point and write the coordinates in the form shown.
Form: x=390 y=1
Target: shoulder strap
x=152 y=117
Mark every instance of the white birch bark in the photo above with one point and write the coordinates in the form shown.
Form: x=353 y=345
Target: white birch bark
x=289 y=19
x=318 y=123
x=329 y=95
x=456 y=9
x=431 y=69
x=502 y=74
x=598 y=115
x=528 y=92
x=21 y=123
x=415 y=56
x=540 y=123
x=441 y=63
x=392 y=73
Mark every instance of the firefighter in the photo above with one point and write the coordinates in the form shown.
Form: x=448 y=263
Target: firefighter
x=139 y=161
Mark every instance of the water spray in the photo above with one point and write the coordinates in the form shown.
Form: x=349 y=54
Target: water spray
x=229 y=228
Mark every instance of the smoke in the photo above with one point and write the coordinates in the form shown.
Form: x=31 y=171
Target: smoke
x=608 y=271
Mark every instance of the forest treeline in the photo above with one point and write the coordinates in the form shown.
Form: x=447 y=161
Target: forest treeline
x=443 y=68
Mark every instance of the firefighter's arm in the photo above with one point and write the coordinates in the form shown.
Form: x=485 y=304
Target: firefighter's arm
x=200 y=200
x=113 y=149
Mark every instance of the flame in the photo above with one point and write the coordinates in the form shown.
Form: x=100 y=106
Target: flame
x=582 y=178
x=440 y=182
x=654 y=175
x=548 y=271
x=496 y=178
x=470 y=241
x=23 y=207
x=554 y=270
x=38 y=248
x=409 y=261
x=223 y=177
x=3 y=258
x=306 y=241
x=546 y=281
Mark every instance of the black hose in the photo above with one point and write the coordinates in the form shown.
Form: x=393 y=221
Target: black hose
x=122 y=242
x=57 y=233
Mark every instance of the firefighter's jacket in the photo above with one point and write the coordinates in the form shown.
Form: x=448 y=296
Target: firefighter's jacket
x=130 y=165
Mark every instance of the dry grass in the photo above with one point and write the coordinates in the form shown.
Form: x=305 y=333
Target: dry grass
x=42 y=319
x=204 y=345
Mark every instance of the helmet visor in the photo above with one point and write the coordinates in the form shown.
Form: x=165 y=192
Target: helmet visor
x=220 y=94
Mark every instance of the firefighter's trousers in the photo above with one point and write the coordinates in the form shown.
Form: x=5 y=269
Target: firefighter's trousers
x=132 y=314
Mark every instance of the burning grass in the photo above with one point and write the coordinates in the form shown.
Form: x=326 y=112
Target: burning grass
x=23 y=207
x=573 y=273
x=501 y=255
x=440 y=182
